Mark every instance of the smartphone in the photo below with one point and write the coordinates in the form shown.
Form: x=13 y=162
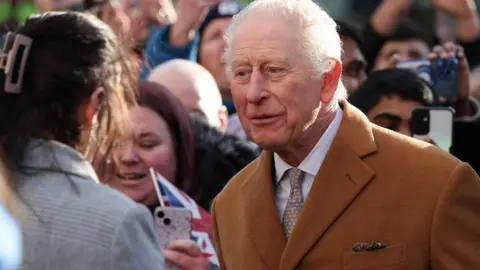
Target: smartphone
x=439 y=74
x=434 y=123
x=172 y=223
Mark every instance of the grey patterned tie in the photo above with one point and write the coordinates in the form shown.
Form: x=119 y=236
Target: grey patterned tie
x=295 y=201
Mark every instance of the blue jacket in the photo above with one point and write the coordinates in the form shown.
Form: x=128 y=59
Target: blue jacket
x=158 y=50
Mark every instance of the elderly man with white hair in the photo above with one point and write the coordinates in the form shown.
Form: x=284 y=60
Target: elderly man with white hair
x=331 y=190
x=195 y=87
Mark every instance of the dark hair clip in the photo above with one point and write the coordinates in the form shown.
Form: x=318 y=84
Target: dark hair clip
x=13 y=59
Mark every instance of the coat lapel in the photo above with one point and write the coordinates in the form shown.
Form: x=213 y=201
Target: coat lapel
x=342 y=176
x=263 y=223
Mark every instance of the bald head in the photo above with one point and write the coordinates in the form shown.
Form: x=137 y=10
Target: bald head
x=194 y=86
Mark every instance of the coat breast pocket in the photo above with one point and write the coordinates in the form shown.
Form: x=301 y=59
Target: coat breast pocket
x=389 y=256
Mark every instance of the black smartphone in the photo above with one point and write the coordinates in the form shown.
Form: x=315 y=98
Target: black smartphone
x=434 y=124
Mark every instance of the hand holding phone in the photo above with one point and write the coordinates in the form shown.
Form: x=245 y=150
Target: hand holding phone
x=187 y=254
x=171 y=223
x=460 y=101
x=439 y=74
x=448 y=62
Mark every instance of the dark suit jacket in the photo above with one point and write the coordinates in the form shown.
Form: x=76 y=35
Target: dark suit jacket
x=374 y=185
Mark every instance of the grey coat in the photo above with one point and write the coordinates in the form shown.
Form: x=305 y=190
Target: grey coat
x=70 y=221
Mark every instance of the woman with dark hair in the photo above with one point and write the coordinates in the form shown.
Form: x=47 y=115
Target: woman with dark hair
x=67 y=82
x=161 y=138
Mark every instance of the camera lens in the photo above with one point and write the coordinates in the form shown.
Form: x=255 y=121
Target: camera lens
x=167 y=221
x=420 y=122
x=161 y=214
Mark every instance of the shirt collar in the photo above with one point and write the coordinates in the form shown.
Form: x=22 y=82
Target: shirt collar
x=312 y=163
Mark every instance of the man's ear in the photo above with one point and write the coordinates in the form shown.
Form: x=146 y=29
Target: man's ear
x=92 y=106
x=223 y=118
x=331 y=80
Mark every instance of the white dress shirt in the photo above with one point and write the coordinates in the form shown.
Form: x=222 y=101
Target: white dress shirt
x=310 y=165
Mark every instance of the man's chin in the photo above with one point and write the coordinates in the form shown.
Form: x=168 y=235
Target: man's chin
x=268 y=144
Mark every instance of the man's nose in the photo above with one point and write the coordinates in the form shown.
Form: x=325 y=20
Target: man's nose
x=256 y=89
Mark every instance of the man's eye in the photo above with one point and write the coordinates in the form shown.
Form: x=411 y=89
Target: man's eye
x=241 y=74
x=354 y=68
x=273 y=69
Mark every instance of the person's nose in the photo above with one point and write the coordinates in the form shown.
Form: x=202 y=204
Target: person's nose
x=127 y=154
x=256 y=89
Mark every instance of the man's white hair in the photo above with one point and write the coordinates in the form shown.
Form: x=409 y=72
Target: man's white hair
x=319 y=36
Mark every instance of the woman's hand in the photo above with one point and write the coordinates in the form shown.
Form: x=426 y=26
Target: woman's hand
x=187 y=255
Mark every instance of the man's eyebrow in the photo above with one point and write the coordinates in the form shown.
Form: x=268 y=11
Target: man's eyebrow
x=239 y=62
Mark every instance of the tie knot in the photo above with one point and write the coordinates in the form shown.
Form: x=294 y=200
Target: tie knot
x=294 y=176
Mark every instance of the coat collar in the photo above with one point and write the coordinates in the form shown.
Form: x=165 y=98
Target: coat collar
x=48 y=155
x=340 y=179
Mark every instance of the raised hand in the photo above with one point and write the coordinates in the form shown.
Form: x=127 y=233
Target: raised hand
x=456 y=8
x=461 y=101
x=160 y=11
x=191 y=13
x=385 y=18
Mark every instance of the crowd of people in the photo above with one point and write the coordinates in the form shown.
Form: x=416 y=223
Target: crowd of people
x=289 y=136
